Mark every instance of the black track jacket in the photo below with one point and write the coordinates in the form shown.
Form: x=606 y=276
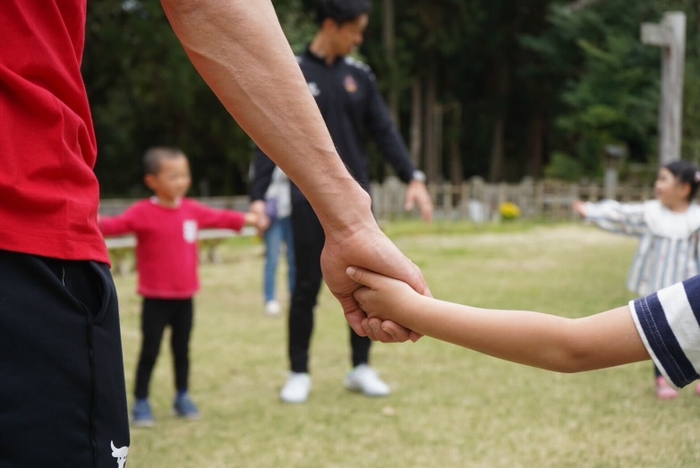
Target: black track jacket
x=347 y=95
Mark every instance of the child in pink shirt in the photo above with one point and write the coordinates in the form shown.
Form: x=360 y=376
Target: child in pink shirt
x=166 y=228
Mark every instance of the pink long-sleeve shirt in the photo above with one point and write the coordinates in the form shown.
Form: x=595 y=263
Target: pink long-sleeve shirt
x=166 y=251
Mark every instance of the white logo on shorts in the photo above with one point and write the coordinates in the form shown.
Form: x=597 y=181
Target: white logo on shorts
x=120 y=454
x=189 y=231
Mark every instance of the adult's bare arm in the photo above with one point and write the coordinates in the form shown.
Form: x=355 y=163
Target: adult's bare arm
x=241 y=52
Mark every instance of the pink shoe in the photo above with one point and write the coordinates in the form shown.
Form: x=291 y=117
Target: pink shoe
x=697 y=389
x=664 y=391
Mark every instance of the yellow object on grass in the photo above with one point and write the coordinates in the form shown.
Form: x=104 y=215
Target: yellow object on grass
x=509 y=210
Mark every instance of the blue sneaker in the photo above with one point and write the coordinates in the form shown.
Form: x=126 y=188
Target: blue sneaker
x=142 y=415
x=185 y=407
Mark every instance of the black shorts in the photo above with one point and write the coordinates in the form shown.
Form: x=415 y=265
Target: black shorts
x=62 y=392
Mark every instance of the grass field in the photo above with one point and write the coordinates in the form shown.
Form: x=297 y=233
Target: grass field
x=450 y=407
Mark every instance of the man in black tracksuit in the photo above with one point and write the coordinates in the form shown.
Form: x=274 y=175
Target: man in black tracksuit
x=349 y=99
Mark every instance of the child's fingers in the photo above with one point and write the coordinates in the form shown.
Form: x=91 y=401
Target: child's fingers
x=364 y=277
x=397 y=330
x=374 y=328
x=360 y=295
x=415 y=336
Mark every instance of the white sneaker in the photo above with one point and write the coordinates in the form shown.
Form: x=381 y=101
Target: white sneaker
x=366 y=380
x=272 y=308
x=297 y=388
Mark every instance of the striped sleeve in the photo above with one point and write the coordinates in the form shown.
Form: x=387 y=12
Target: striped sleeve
x=622 y=218
x=669 y=324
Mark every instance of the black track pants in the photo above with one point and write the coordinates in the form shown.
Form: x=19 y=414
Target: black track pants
x=308 y=243
x=62 y=392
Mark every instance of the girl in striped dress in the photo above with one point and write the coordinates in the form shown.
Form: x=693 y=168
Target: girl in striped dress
x=669 y=232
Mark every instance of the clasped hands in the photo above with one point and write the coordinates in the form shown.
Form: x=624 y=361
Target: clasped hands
x=387 y=303
x=370 y=277
x=359 y=269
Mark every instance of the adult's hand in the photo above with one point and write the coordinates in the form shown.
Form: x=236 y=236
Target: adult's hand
x=417 y=194
x=263 y=221
x=369 y=248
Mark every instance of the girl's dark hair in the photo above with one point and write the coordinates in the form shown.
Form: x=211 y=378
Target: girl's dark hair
x=153 y=157
x=342 y=11
x=685 y=173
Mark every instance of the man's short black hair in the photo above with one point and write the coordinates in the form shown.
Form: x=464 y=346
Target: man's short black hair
x=342 y=11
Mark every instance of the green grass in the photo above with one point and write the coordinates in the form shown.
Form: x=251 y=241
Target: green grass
x=450 y=407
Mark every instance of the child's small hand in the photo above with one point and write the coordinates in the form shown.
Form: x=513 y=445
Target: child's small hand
x=261 y=221
x=580 y=208
x=382 y=297
x=258 y=220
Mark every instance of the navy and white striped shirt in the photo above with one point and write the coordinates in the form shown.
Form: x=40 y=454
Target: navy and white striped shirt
x=669 y=324
x=669 y=244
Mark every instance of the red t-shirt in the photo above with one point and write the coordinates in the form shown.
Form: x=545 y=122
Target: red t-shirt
x=48 y=191
x=166 y=250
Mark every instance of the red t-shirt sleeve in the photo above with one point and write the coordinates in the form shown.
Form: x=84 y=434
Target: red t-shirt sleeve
x=213 y=218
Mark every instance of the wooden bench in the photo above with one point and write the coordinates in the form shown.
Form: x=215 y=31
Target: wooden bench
x=121 y=248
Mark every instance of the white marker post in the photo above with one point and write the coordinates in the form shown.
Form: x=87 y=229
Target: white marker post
x=670 y=36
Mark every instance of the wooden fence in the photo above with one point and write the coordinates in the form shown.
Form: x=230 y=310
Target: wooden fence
x=473 y=200
x=115 y=206
x=478 y=201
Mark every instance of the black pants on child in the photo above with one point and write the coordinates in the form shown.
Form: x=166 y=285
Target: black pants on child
x=156 y=315
x=62 y=391
x=309 y=239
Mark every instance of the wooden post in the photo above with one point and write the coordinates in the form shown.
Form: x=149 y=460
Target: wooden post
x=670 y=36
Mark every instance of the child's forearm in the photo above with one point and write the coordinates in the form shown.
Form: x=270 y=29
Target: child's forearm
x=536 y=339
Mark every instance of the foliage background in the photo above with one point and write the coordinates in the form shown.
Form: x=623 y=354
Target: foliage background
x=539 y=90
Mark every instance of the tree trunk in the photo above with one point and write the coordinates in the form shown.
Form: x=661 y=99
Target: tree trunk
x=439 y=141
x=430 y=152
x=535 y=151
x=499 y=134
x=497 y=150
x=416 y=120
x=389 y=39
x=455 y=151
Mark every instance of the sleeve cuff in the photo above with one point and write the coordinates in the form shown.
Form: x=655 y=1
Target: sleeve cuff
x=663 y=321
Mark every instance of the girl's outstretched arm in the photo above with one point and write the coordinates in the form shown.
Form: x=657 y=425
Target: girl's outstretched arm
x=610 y=215
x=535 y=339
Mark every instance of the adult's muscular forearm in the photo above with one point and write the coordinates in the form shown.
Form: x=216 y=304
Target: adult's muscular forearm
x=241 y=52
